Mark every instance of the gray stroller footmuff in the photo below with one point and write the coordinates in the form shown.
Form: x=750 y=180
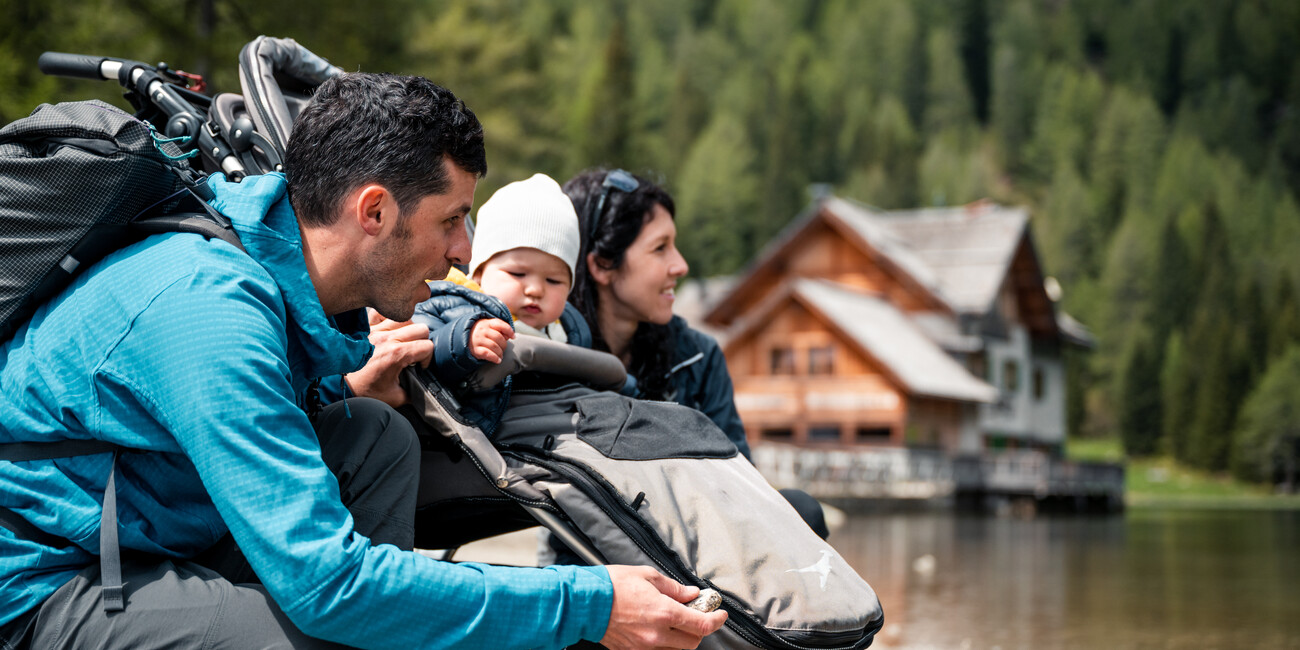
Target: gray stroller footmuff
x=626 y=481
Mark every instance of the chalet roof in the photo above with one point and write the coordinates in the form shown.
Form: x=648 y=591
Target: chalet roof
x=962 y=254
x=894 y=340
x=945 y=330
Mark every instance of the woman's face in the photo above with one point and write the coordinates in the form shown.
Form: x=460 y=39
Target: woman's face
x=642 y=289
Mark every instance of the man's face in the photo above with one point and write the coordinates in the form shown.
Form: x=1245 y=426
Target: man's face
x=421 y=245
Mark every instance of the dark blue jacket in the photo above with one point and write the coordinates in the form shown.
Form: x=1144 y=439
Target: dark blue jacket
x=700 y=380
x=450 y=314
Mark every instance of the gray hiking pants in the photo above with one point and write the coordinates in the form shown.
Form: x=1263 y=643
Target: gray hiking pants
x=214 y=601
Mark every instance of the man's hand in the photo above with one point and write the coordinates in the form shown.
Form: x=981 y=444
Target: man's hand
x=648 y=612
x=397 y=345
x=487 y=339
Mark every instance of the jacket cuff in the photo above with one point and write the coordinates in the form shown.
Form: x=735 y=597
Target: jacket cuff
x=451 y=355
x=591 y=585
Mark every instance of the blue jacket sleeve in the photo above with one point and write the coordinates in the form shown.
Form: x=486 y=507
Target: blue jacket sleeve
x=210 y=366
x=450 y=314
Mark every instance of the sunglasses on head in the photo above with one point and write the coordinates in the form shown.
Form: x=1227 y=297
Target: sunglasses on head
x=617 y=179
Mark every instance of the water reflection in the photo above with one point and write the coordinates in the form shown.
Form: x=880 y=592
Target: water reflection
x=1146 y=579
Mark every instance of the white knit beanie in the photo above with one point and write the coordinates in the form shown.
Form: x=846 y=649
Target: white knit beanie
x=527 y=214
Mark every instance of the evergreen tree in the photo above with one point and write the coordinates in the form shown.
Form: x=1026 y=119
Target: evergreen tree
x=1267 y=442
x=1125 y=156
x=948 y=106
x=473 y=51
x=1140 y=408
x=715 y=199
x=897 y=63
x=1065 y=118
x=1174 y=284
x=1220 y=387
x=1223 y=375
x=1252 y=327
x=601 y=119
x=1014 y=79
x=1178 y=396
x=694 y=86
x=974 y=26
x=1284 y=318
x=1072 y=241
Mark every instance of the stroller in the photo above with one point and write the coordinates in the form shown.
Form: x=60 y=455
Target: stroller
x=615 y=479
x=225 y=133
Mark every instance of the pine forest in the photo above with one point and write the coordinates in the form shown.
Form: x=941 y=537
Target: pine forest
x=1155 y=142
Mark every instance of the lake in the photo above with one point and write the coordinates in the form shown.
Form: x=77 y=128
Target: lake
x=1147 y=578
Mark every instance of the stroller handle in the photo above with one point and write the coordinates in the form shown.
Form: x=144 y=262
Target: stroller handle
x=601 y=370
x=82 y=66
x=154 y=86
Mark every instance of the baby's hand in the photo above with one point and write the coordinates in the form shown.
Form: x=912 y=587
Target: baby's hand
x=487 y=340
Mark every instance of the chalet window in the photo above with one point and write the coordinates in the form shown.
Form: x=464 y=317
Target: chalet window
x=874 y=434
x=782 y=361
x=824 y=433
x=1040 y=384
x=821 y=361
x=1010 y=375
x=778 y=435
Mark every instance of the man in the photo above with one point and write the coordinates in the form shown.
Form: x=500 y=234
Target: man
x=199 y=360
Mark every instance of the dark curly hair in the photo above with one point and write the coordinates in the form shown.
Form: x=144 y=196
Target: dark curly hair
x=620 y=221
x=378 y=128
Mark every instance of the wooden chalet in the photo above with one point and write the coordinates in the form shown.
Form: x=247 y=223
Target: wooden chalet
x=922 y=328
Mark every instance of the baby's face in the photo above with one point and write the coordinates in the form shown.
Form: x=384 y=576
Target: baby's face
x=532 y=284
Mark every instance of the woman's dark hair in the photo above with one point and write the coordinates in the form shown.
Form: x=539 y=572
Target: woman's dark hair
x=616 y=227
x=378 y=128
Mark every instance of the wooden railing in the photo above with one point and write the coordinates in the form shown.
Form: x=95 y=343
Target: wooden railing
x=900 y=473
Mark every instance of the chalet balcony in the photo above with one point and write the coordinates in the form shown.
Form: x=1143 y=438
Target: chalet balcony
x=866 y=474
x=833 y=411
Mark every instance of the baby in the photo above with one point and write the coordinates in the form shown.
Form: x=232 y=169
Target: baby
x=520 y=272
x=524 y=252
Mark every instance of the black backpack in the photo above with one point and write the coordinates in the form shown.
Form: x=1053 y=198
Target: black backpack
x=77 y=181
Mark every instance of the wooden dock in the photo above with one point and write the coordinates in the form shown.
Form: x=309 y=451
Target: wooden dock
x=996 y=480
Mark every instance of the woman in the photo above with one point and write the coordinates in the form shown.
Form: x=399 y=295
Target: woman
x=625 y=292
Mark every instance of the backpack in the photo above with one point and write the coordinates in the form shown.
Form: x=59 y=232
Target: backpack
x=626 y=481
x=77 y=181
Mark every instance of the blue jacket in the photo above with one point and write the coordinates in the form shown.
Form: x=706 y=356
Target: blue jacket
x=200 y=355
x=450 y=314
x=700 y=380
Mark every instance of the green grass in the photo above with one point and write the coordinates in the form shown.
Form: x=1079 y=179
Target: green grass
x=1161 y=482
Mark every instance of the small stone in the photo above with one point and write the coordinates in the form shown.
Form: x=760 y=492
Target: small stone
x=707 y=601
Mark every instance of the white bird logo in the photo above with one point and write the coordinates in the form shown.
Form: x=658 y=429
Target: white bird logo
x=822 y=568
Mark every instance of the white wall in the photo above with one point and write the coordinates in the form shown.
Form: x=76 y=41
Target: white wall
x=1018 y=412
x=1047 y=415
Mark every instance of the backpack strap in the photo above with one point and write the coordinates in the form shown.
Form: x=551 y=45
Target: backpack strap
x=110 y=553
x=195 y=222
x=195 y=195
x=110 y=556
